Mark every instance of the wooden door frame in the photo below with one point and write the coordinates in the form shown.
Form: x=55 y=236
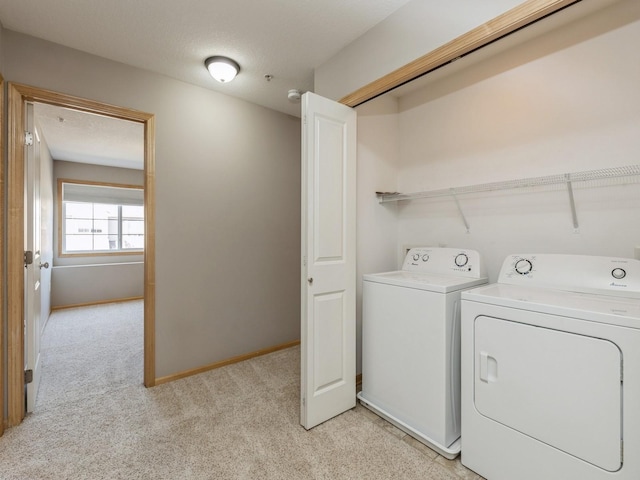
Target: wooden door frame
x=18 y=95
x=2 y=272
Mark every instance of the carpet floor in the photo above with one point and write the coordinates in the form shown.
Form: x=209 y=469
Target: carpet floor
x=95 y=420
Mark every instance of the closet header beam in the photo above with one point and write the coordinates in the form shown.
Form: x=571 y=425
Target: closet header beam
x=520 y=16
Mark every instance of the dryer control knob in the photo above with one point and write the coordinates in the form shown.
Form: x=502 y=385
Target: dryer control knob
x=523 y=266
x=416 y=256
x=425 y=257
x=618 y=273
x=461 y=260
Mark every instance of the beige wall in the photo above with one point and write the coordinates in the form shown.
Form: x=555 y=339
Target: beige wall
x=227 y=202
x=1 y=49
x=96 y=283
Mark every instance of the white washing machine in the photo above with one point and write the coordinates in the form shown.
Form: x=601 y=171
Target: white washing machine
x=411 y=343
x=551 y=370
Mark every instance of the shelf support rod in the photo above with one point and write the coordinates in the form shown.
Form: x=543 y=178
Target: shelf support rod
x=464 y=219
x=572 y=203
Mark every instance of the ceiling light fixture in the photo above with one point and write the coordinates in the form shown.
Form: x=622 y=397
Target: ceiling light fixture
x=223 y=69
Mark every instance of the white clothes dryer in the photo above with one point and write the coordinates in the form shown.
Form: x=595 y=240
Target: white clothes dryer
x=551 y=370
x=411 y=343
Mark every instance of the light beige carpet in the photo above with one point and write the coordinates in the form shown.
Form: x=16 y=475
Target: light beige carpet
x=95 y=420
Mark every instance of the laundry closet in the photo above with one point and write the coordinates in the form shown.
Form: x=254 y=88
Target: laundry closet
x=550 y=103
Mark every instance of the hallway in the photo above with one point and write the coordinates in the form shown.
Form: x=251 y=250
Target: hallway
x=95 y=420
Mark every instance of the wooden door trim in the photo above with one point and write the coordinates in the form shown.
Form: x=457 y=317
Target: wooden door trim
x=4 y=223
x=520 y=16
x=18 y=95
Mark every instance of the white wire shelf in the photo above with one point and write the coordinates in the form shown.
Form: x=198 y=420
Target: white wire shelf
x=602 y=174
x=599 y=177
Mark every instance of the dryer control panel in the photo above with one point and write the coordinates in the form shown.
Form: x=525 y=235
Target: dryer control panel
x=445 y=261
x=574 y=273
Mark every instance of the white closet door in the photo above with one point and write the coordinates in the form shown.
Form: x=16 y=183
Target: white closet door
x=328 y=260
x=32 y=290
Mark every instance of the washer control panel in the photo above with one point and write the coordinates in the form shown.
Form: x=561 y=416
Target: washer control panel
x=575 y=273
x=523 y=266
x=444 y=261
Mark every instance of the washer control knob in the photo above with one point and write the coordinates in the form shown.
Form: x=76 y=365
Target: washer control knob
x=416 y=256
x=425 y=257
x=461 y=259
x=618 y=273
x=523 y=266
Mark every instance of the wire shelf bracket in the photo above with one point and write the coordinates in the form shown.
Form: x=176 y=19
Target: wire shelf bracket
x=464 y=219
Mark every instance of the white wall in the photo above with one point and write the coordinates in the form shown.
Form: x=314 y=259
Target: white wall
x=227 y=203
x=409 y=33
x=566 y=102
x=377 y=158
x=47 y=230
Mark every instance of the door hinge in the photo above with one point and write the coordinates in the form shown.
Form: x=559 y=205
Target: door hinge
x=28 y=376
x=28 y=258
x=28 y=138
x=304 y=401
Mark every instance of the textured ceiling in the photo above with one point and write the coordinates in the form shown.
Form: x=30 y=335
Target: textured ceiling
x=287 y=39
x=81 y=137
x=283 y=38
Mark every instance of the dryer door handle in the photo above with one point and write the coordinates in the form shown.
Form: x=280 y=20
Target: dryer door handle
x=488 y=368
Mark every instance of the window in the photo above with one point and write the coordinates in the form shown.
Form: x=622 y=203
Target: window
x=100 y=218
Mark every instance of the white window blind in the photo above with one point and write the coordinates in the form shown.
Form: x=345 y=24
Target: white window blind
x=77 y=192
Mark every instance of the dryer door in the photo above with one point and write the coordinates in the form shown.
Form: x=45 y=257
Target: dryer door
x=560 y=388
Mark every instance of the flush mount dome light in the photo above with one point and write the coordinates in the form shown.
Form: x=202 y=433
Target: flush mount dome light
x=223 y=69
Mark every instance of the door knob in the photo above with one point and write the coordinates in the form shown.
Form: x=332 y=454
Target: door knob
x=310 y=280
x=44 y=265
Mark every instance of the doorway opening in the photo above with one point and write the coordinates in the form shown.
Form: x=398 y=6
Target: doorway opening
x=18 y=98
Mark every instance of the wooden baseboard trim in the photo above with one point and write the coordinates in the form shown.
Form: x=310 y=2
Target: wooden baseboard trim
x=213 y=366
x=358 y=379
x=99 y=302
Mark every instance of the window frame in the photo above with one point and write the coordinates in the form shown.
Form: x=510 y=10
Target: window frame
x=62 y=220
